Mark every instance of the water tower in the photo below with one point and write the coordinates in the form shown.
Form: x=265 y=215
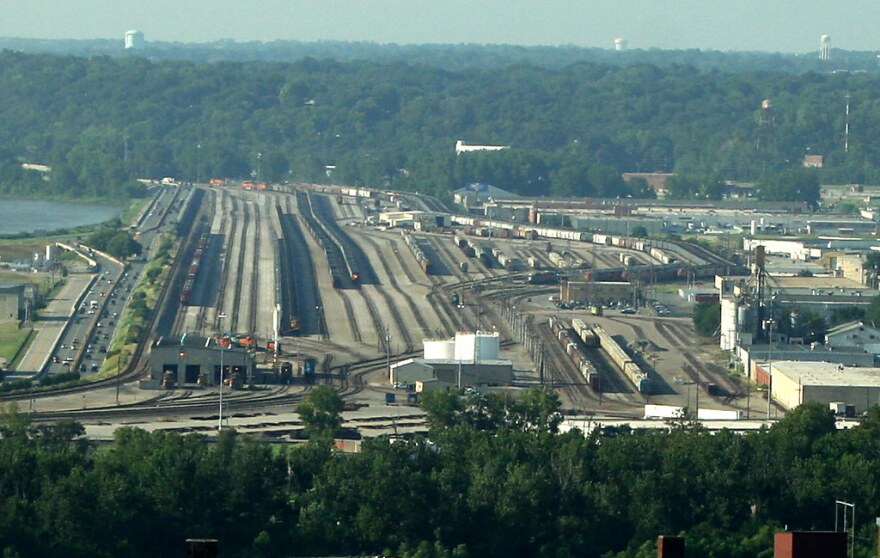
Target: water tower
x=620 y=44
x=766 y=125
x=134 y=40
x=825 y=47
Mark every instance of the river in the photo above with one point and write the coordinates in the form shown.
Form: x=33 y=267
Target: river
x=30 y=216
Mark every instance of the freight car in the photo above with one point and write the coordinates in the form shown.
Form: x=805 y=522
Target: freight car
x=575 y=349
x=193 y=271
x=623 y=361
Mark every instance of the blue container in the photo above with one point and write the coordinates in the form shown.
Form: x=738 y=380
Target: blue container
x=390 y=398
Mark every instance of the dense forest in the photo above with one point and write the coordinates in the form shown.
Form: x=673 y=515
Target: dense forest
x=492 y=478
x=102 y=121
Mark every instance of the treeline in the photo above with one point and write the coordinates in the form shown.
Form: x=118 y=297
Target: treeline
x=493 y=478
x=100 y=122
x=453 y=57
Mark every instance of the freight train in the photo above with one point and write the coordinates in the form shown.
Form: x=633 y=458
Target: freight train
x=575 y=347
x=675 y=259
x=416 y=251
x=328 y=239
x=623 y=361
x=192 y=273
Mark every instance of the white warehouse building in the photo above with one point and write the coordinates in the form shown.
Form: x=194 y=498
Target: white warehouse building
x=797 y=382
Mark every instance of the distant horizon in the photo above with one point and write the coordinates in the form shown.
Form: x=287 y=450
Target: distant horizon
x=778 y=27
x=147 y=42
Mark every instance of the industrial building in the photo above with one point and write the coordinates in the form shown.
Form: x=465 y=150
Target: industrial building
x=418 y=220
x=752 y=355
x=854 y=335
x=467 y=360
x=12 y=301
x=797 y=382
x=192 y=359
x=747 y=303
x=596 y=292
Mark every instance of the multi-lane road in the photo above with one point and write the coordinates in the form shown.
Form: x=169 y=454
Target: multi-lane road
x=79 y=323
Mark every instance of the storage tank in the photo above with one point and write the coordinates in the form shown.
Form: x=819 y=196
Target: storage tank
x=50 y=252
x=439 y=349
x=483 y=344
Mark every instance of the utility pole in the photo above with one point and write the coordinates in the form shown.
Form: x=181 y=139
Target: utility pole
x=770 y=370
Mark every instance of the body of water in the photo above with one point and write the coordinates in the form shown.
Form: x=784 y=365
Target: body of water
x=30 y=216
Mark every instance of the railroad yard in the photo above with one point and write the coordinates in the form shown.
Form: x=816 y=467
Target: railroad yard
x=349 y=293
x=355 y=297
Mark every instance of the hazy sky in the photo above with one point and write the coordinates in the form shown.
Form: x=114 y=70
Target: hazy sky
x=767 y=25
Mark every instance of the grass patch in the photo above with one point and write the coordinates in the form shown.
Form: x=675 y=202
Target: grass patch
x=12 y=340
x=134 y=209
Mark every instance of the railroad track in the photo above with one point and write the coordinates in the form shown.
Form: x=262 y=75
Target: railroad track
x=392 y=280
x=232 y=224
x=255 y=274
x=698 y=371
x=567 y=378
x=235 y=310
x=378 y=326
x=349 y=313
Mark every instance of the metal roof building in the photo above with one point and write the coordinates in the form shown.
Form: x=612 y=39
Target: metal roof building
x=192 y=359
x=795 y=382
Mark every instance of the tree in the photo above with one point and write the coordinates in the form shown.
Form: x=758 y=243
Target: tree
x=791 y=185
x=707 y=318
x=872 y=313
x=321 y=412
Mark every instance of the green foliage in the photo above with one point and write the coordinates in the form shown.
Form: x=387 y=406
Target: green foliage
x=491 y=482
x=872 y=313
x=116 y=242
x=791 y=185
x=56 y=379
x=321 y=412
x=101 y=122
x=707 y=318
x=846 y=315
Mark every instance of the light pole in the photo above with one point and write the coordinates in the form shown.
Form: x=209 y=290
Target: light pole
x=220 y=418
x=220 y=316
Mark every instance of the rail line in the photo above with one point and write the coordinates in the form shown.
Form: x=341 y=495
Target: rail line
x=234 y=311
x=349 y=313
x=698 y=371
x=378 y=326
x=442 y=249
x=403 y=294
x=232 y=224
x=255 y=273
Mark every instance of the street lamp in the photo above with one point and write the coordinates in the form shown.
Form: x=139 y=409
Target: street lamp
x=220 y=316
x=220 y=417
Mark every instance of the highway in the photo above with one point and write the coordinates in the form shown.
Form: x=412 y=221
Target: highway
x=75 y=336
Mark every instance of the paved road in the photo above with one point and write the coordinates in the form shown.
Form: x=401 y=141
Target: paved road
x=51 y=324
x=92 y=324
